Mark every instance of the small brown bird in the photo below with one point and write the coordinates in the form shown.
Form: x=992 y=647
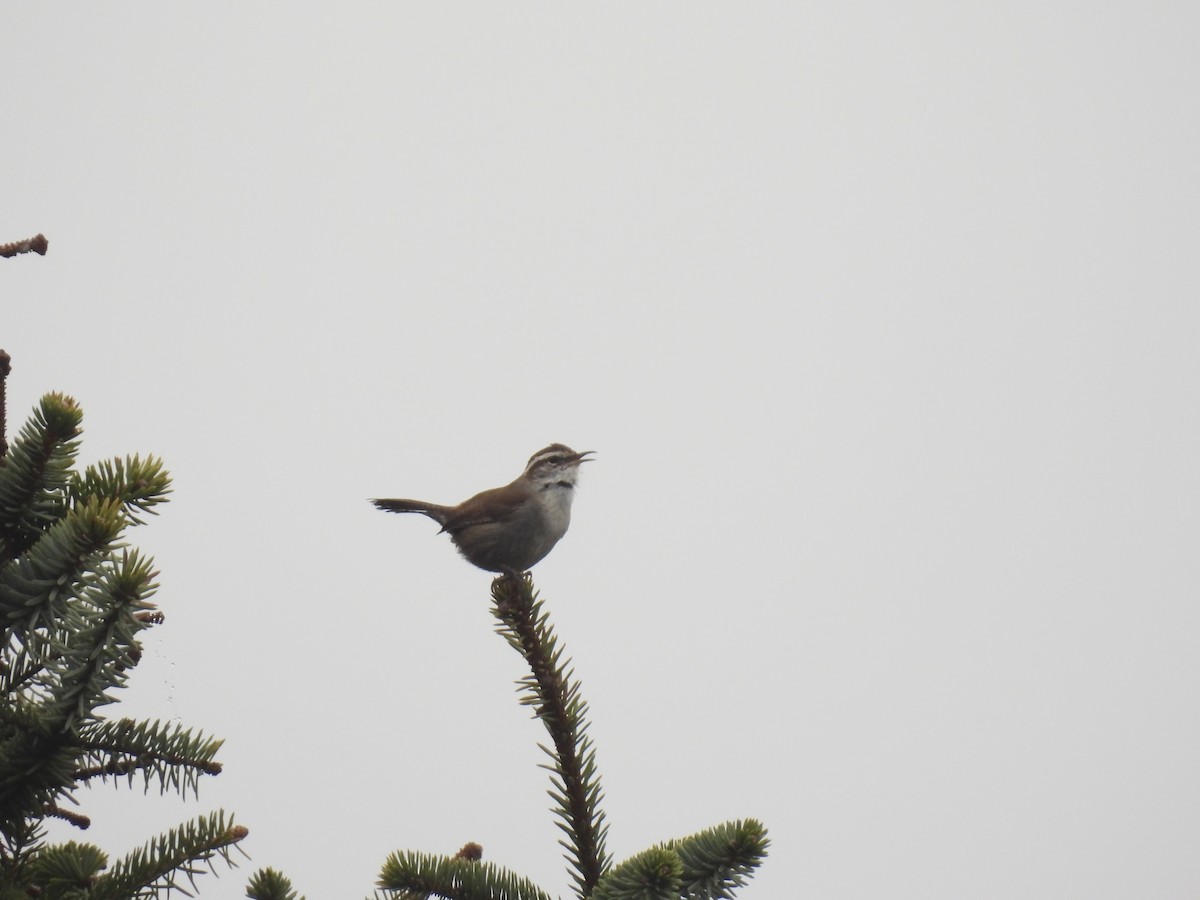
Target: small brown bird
x=510 y=529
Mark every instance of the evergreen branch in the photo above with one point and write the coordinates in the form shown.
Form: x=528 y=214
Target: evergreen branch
x=654 y=874
x=154 y=869
x=35 y=587
x=83 y=656
x=123 y=585
x=71 y=609
x=268 y=884
x=112 y=767
x=34 y=774
x=80 y=821
x=18 y=671
x=36 y=765
x=36 y=244
x=139 y=484
x=19 y=840
x=718 y=860
x=65 y=870
x=170 y=753
x=97 y=651
x=416 y=876
x=708 y=865
x=35 y=472
x=556 y=700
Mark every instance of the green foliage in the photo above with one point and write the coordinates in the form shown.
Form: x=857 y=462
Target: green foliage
x=556 y=700
x=139 y=485
x=170 y=755
x=414 y=876
x=708 y=865
x=73 y=602
x=718 y=860
x=185 y=851
x=36 y=473
x=268 y=884
x=67 y=870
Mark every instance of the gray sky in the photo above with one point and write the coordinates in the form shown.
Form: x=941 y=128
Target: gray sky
x=882 y=319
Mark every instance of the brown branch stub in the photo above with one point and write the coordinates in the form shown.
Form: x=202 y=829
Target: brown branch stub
x=36 y=244
x=114 y=767
x=80 y=821
x=470 y=851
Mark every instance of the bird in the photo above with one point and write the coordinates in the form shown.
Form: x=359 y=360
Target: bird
x=510 y=529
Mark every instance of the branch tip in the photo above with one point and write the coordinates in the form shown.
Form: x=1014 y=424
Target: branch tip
x=470 y=851
x=36 y=244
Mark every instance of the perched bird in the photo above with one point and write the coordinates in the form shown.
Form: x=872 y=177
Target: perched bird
x=510 y=529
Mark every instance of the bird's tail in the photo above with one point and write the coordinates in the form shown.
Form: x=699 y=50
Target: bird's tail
x=433 y=510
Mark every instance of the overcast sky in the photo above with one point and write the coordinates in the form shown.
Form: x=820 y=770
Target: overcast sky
x=881 y=317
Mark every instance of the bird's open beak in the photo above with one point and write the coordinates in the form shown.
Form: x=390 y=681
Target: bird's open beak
x=583 y=457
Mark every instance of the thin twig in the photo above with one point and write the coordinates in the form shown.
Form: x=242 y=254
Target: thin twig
x=76 y=819
x=36 y=244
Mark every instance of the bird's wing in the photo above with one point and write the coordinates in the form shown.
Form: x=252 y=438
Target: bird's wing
x=496 y=505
